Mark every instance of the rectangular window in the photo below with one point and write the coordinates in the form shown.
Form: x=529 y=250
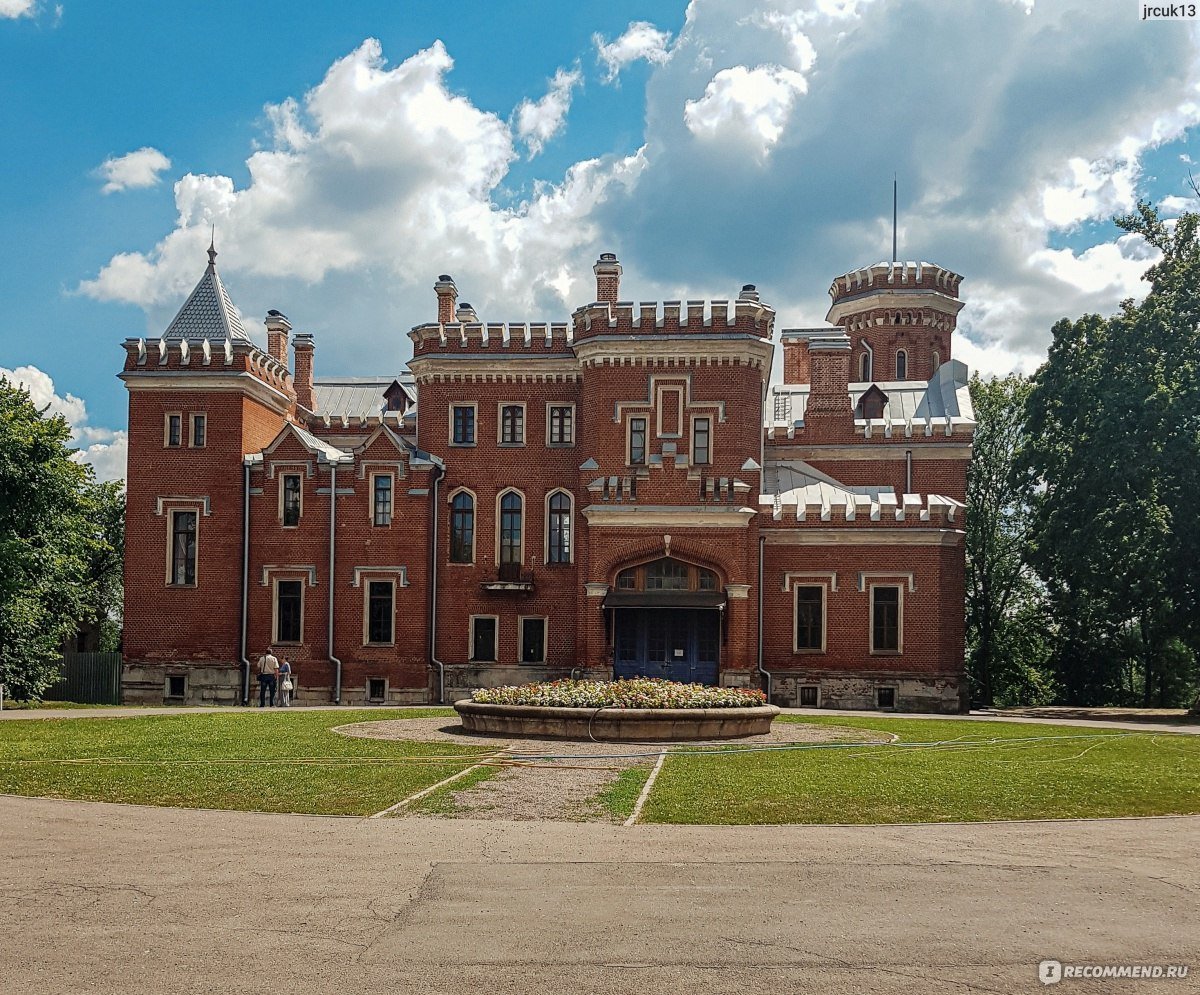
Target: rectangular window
x=376 y=688
x=291 y=499
x=637 y=441
x=562 y=425
x=176 y=686
x=483 y=638
x=462 y=427
x=808 y=697
x=199 y=431
x=380 y=611
x=533 y=640
x=173 y=431
x=810 y=618
x=183 y=548
x=289 y=610
x=512 y=425
x=885 y=619
x=885 y=697
x=701 y=440
x=381 y=501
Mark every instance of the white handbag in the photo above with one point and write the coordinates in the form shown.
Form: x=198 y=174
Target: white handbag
x=287 y=684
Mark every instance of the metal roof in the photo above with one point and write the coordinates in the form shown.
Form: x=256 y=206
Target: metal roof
x=208 y=313
x=357 y=397
x=796 y=482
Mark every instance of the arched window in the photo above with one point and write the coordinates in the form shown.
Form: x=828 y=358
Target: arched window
x=462 y=528
x=901 y=365
x=511 y=532
x=864 y=367
x=558 y=528
x=666 y=574
x=937 y=360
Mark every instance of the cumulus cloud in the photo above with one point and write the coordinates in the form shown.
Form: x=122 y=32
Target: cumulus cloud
x=17 y=8
x=750 y=105
x=104 y=449
x=640 y=41
x=539 y=121
x=772 y=132
x=133 y=170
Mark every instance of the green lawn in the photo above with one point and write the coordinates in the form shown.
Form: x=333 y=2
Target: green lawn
x=1110 y=774
x=271 y=761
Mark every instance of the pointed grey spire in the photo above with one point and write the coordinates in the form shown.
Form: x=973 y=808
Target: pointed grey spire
x=208 y=313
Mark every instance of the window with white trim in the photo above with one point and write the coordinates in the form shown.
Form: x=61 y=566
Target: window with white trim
x=290 y=499
x=462 y=528
x=901 y=364
x=381 y=499
x=810 y=618
x=199 y=431
x=561 y=430
x=173 y=430
x=558 y=528
x=702 y=440
x=183 y=548
x=512 y=531
x=637 y=441
x=289 y=611
x=512 y=425
x=462 y=425
x=483 y=638
x=887 y=605
x=533 y=640
x=381 y=612
x=864 y=367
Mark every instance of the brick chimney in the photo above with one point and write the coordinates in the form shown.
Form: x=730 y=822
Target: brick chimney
x=302 y=379
x=608 y=278
x=447 y=294
x=277 y=335
x=797 y=367
x=829 y=397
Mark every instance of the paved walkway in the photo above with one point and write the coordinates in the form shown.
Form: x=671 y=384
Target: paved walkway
x=113 y=900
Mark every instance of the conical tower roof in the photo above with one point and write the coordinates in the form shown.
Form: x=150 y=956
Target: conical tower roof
x=208 y=313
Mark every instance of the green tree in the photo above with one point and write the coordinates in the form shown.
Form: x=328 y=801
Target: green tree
x=1114 y=439
x=48 y=541
x=1007 y=648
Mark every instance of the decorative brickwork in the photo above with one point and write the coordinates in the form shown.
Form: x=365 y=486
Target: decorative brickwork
x=578 y=497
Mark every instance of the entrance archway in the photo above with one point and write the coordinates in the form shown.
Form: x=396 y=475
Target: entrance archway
x=666 y=621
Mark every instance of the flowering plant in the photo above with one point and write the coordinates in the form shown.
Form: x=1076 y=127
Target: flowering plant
x=636 y=692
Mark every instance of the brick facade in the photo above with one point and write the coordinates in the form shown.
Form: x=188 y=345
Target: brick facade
x=630 y=474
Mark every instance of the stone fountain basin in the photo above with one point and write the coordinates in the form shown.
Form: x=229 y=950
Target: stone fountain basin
x=615 y=724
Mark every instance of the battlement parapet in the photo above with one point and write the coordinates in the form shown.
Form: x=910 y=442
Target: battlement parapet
x=492 y=338
x=745 y=316
x=906 y=275
x=202 y=355
x=852 y=508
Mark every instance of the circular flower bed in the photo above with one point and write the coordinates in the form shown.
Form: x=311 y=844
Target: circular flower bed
x=636 y=710
x=637 y=692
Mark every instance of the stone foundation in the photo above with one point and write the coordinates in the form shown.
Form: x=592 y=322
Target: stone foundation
x=944 y=695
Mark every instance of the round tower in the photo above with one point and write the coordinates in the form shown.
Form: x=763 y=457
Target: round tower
x=899 y=316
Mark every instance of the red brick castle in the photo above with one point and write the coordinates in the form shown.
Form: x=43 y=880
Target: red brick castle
x=621 y=494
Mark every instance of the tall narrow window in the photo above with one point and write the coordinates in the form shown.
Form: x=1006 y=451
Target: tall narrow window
x=558 y=529
x=289 y=605
x=483 y=638
x=562 y=427
x=637 y=441
x=901 y=365
x=173 y=434
x=199 y=431
x=183 y=547
x=511 y=526
x=701 y=440
x=885 y=619
x=380 y=611
x=382 y=501
x=864 y=367
x=291 y=499
x=533 y=640
x=936 y=360
x=810 y=618
x=462 y=432
x=512 y=425
x=462 y=528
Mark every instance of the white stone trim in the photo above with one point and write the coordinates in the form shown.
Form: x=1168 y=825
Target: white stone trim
x=361 y=572
x=868 y=575
x=809 y=576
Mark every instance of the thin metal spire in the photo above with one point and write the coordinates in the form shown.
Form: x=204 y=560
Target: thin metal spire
x=212 y=247
x=893 y=217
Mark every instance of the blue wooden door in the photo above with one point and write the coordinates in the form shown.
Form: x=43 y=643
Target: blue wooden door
x=676 y=643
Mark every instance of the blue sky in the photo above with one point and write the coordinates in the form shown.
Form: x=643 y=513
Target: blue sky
x=350 y=152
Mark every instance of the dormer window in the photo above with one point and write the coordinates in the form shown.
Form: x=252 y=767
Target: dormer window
x=872 y=404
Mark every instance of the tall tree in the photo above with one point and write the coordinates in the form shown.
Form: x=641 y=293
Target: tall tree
x=1114 y=437
x=1005 y=620
x=47 y=540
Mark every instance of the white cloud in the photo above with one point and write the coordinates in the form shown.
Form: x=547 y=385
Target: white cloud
x=133 y=170
x=18 y=8
x=104 y=449
x=751 y=105
x=641 y=40
x=539 y=121
x=791 y=26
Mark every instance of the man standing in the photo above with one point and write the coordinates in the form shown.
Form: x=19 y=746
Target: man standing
x=268 y=667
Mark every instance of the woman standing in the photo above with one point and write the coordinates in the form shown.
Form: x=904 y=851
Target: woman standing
x=285 y=684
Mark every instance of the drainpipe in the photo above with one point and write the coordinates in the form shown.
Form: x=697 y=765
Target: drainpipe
x=245 y=580
x=433 y=565
x=337 y=686
x=762 y=540
x=908 y=471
